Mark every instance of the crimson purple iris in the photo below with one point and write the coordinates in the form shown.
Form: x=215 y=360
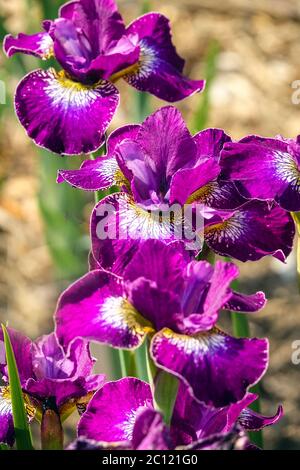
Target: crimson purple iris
x=150 y=286
x=68 y=111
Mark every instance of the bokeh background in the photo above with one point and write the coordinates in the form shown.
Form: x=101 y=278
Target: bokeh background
x=250 y=52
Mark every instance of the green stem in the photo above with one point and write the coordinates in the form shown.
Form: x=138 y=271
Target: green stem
x=127 y=363
x=164 y=388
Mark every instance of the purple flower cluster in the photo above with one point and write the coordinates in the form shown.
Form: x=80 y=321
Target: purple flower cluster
x=68 y=111
x=147 y=282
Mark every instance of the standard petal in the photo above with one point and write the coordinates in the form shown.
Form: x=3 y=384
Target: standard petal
x=63 y=116
x=159 y=70
x=210 y=142
x=39 y=45
x=167 y=143
x=217 y=367
x=94 y=308
x=251 y=232
x=264 y=169
x=111 y=414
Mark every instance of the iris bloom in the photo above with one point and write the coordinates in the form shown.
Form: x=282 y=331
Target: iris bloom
x=157 y=165
x=68 y=111
x=176 y=302
x=48 y=375
x=121 y=415
x=267 y=169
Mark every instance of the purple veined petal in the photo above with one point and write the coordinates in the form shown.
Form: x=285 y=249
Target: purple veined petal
x=64 y=116
x=7 y=431
x=218 y=368
x=112 y=412
x=165 y=269
x=150 y=432
x=160 y=68
x=246 y=303
x=252 y=421
x=218 y=194
x=188 y=182
x=251 y=232
x=117 y=217
x=93 y=175
x=39 y=45
x=167 y=142
x=95 y=309
x=210 y=143
x=264 y=169
x=22 y=347
x=103 y=172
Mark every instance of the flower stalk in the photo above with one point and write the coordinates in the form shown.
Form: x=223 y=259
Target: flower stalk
x=52 y=437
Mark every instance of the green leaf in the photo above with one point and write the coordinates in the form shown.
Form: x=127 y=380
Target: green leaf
x=165 y=393
x=22 y=432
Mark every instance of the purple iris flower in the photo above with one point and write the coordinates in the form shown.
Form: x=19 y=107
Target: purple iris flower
x=122 y=415
x=47 y=374
x=176 y=302
x=267 y=169
x=159 y=165
x=69 y=111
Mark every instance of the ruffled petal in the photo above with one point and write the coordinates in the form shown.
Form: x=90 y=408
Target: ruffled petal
x=251 y=232
x=63 y=116
x=39 y=45
x=217 y=367
x=94 y=308
x=112 y=412
x=159 y=70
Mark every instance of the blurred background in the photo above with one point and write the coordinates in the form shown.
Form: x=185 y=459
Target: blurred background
x=249 y=51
